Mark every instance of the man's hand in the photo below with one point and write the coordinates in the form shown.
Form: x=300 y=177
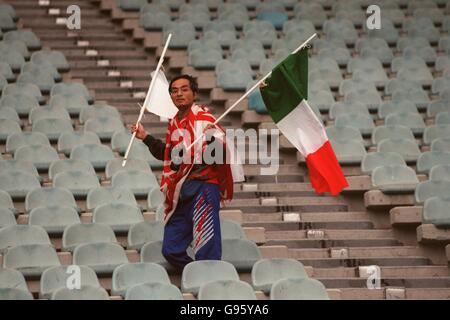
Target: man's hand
x=140 y=131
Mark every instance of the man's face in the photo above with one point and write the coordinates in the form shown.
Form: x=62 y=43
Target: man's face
x=182 y=95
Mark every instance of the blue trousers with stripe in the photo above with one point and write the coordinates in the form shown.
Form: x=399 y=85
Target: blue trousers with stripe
x=195 y=221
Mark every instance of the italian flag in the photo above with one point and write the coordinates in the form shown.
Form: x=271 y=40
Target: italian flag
x=284 y=94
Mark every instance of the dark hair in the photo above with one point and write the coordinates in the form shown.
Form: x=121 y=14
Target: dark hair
x=192 y=82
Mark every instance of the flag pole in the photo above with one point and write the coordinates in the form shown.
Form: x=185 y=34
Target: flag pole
x=141 y=113
x=249 y=91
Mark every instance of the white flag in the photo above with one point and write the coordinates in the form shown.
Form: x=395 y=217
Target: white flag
x=159 y=101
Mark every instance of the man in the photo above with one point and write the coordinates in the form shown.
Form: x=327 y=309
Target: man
x=193 y=189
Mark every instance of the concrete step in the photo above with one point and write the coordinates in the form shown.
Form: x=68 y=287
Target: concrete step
x=317 y=243
x=354 y=262
x=443 y=282
x=329 y=234
x=339 y=225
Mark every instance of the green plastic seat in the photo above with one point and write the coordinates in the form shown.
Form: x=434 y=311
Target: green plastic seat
x=115 y=165
x=8 y=127
x=139 y=182
x=414 y=121
x=441 y=145
x=86 y=292
x=10 y=278
x=54 y=219
x=266 y=272
x=78 y=182
x=28 y=89
x=19 y=165
x=153 y=291
x=7 y=219
x=298 y=289
x=394 y=179
x=76 y=89
x=15 y=294
x=131 y=274
x=40 y=155
x=373 y=160
x=119 y=216
x=434 y=132
x=155 y=198
x=361 y=122
x=52 y=128
x=22 y=102
x=10 y=114
x=6 y=201
x=408 y=149
x=18 y=183
x=97 y=154
x=226 y=290
x=105 y=195
x=55 y=278
x=29 y=37
x=241 y=253
x=69 y=140
x=349 y=151
x=16 y=235
x=198 y=273
x=231 y=230
x=104 y=127
x=103 y=258
x=440 y=172
x=72 y=102
x=17 y=140
x=47 y=112
x=64 y=165
x=435 y=211
x=391 y=132
x=49 y=196
x=77 y=234
x=31 y=259
x=56 y=58
x=144 y=232
x=431 y=188
x=429 y=159
x=152 y=252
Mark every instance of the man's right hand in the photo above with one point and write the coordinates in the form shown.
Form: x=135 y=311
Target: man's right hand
x=140 y=131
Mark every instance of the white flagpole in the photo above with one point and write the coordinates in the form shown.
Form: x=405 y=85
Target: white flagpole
x=249 y=91
x=141 y=114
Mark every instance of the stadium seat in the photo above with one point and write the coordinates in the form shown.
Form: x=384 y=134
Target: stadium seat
x=397 y=106
x=441 y=144
x=16 y=235
x=429 y=159
x=69 y=140
x=418 y=96
x=152 y=252
x=30 y=39
x=361 y=122
x=119 y=216
x=8 y=113
x=56 y=58
x=78 y=182
x=394 y=179
x=98 y=110
x=389 y=33
x=266 y=272
x=241 y=253
x=155 y=198
x=55 y=278
x=108 y=195
x=49 y=196
x=31 y=259
x=431 y=188
x=131 y=274
x=236 y=13
x=54 y=218
x=435 y=211
x=153 y=20
x=18 y=183
x=231 y=230
x=139 y=182
x=97 y=154
x=391 y=132
x=6 y=72
x=442 y=118
x=6 y=201
x=10 y=278
x=39 y=77
x=73 y=103
x=86 y=292
x=52 y=128
x=408 y=149
x=413 y=121
x=144 y=232
x=63 y=165
x=154 y=291
x=401 y=85
x=348 y=151
x=340 y=108
x=71 y=89
x=7 y=219
x=198 y=273
x=373 y=160
x=310 y=11
x=41 y=156
x=298 y=289
x=13 y=57
x=140 y=151
x=434 y=132
x=115 y=165
x=343 y=133
x=19 y=165
x=86 y=233
x=103 y=258
x=8 y=127
x=104 y=127
x=15 y=294
x=18 y=45
x=182 y=32
x=21 y=102
x=226 y=290
x=45 y=112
